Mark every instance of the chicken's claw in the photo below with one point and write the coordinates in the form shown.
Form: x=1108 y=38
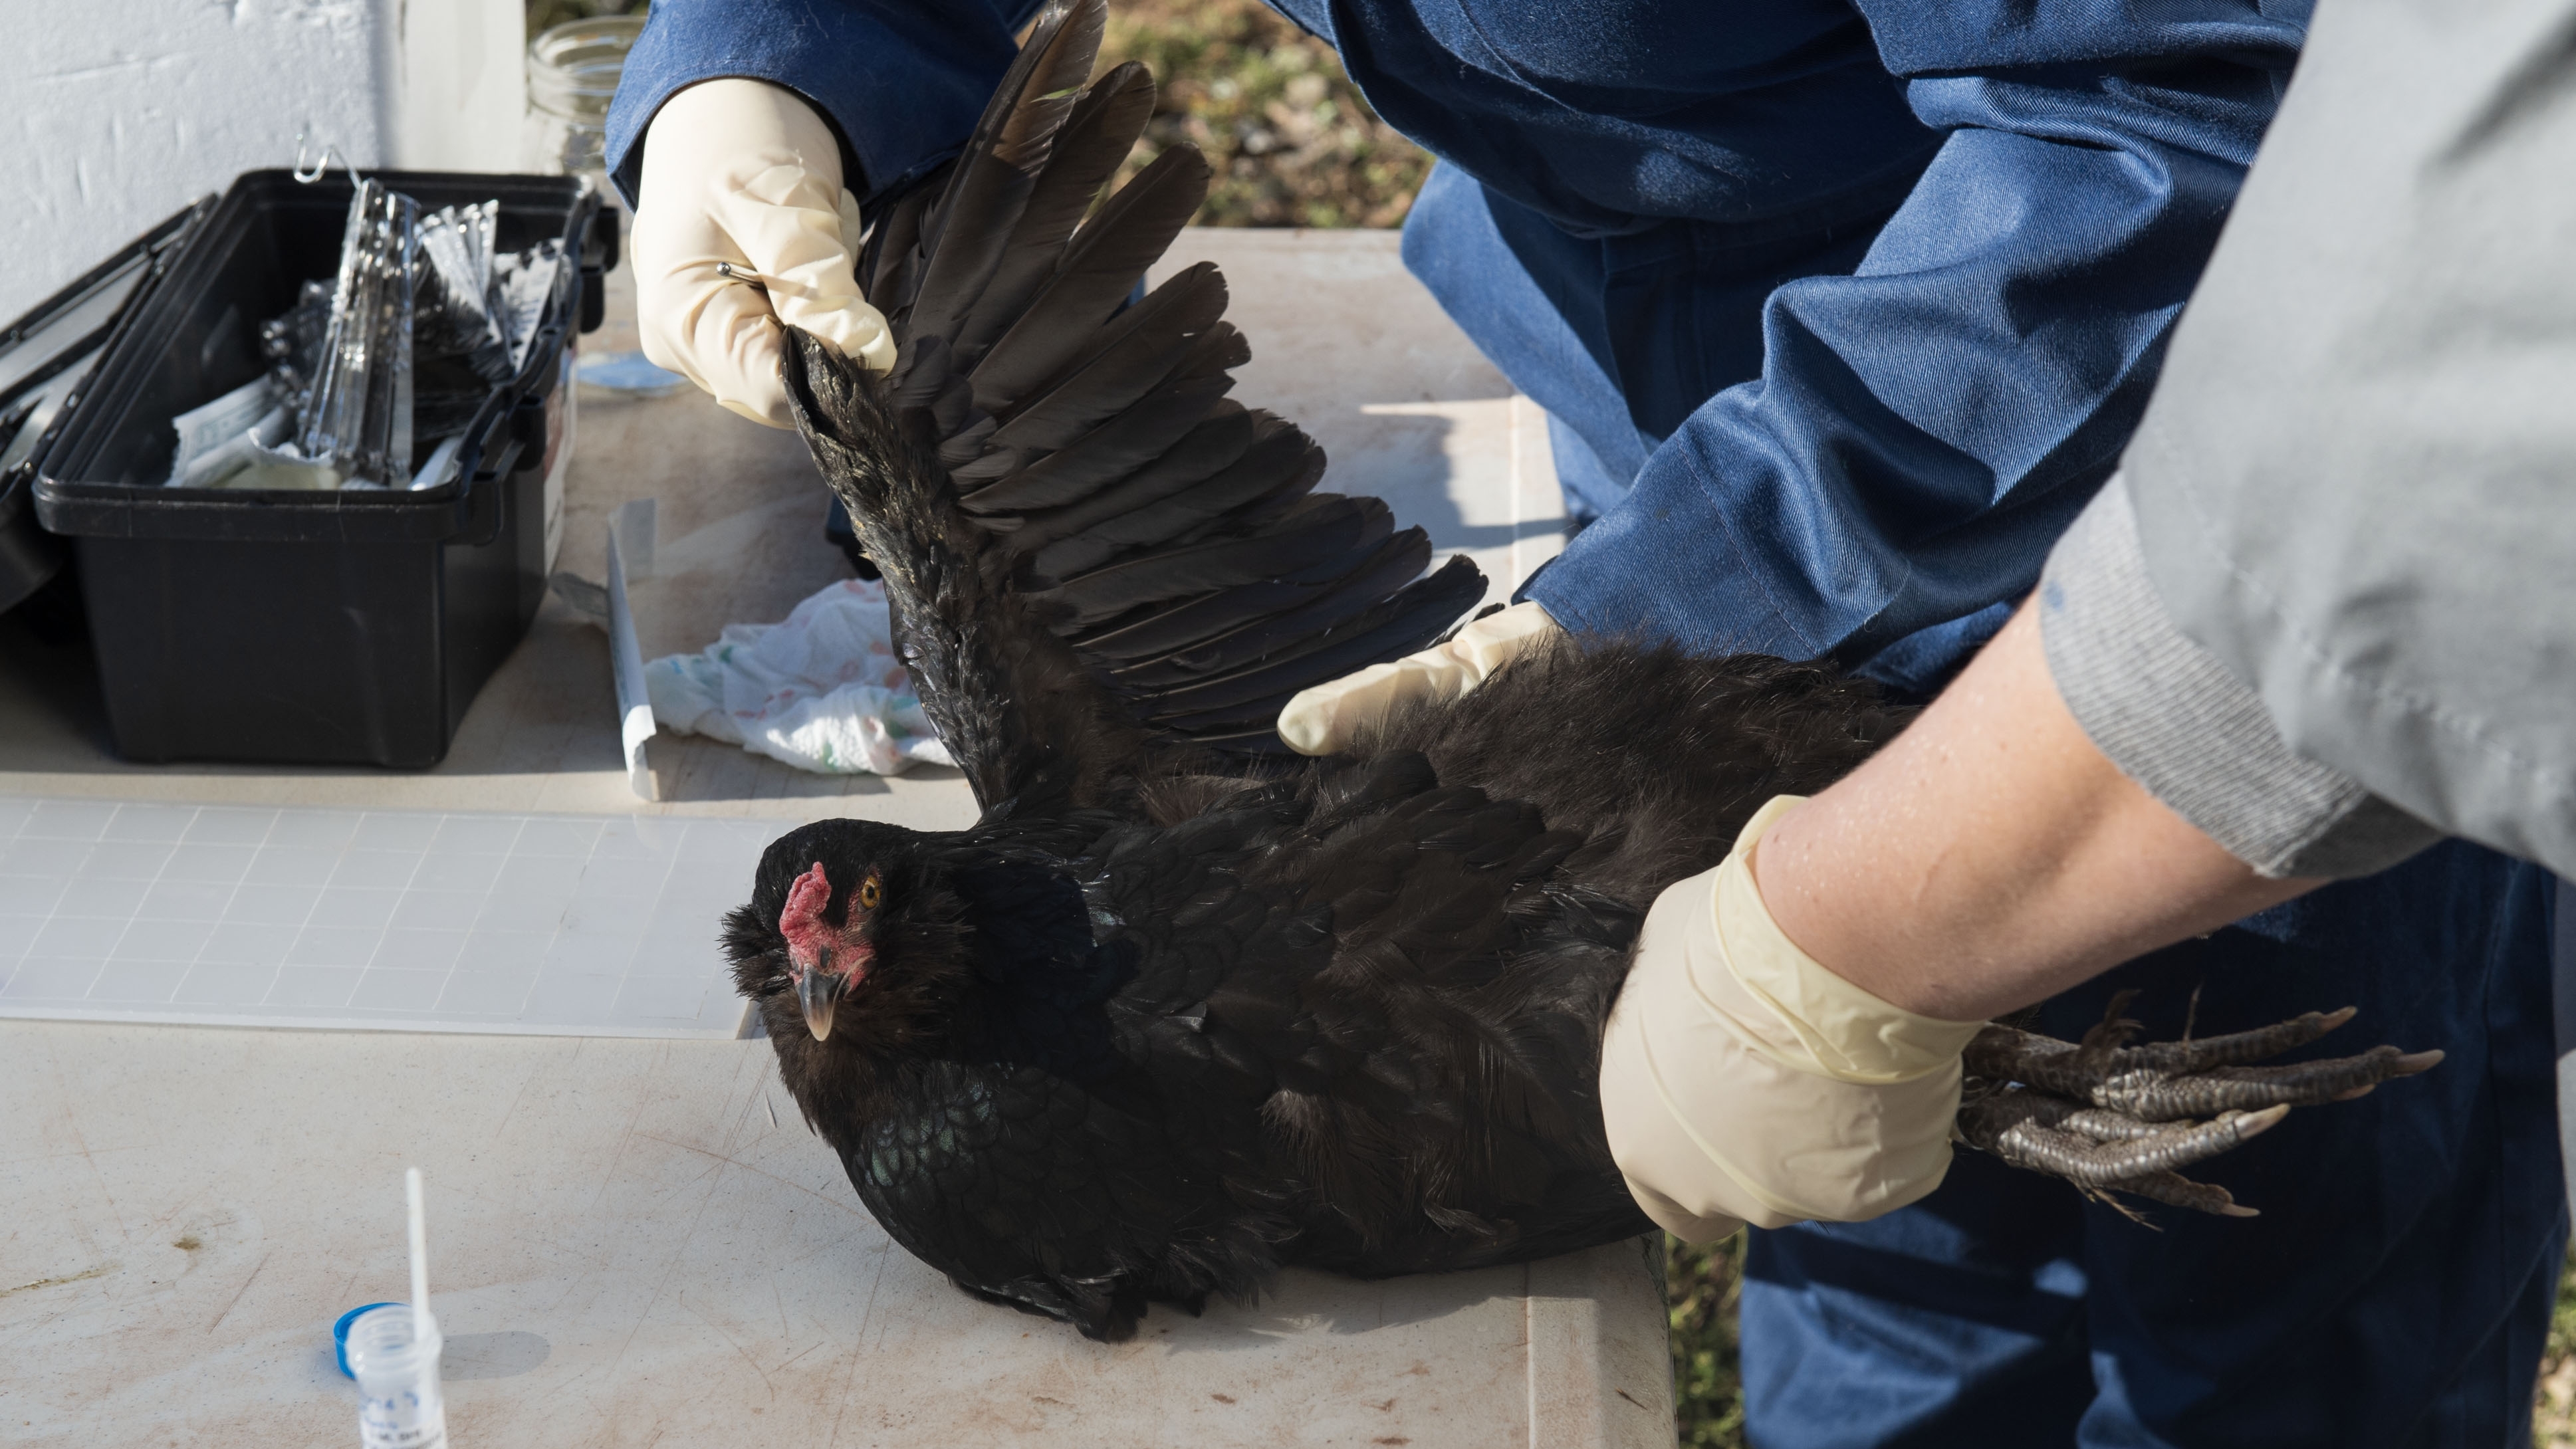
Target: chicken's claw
x=2110 y=1117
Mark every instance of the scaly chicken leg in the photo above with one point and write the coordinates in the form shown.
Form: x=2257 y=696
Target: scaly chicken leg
x=2113 y=1118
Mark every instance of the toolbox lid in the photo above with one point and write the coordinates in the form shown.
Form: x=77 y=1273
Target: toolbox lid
x=46 y=358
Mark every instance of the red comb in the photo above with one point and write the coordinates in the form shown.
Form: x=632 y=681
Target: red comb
x=806 y=901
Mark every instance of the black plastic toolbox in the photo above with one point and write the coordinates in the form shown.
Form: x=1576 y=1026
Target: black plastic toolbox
x=348 y=627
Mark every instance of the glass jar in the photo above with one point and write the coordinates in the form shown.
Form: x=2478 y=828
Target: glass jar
x=572 y=74
x=573 y=71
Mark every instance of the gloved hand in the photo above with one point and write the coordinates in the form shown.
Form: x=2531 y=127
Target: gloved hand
x=1742 y=1082
x=1329 y=717
x=743 y=171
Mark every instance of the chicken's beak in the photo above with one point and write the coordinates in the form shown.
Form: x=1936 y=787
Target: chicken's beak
x=818 y=990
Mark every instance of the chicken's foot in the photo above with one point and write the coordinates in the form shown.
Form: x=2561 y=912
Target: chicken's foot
x=2111 y=1117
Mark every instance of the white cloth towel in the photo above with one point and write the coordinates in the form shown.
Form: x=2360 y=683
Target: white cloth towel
x=821 y=689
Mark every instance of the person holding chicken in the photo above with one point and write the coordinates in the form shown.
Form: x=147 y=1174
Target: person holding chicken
x=1840 y=313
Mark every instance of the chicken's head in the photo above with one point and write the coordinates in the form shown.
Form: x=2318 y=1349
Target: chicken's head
x=823 y=960
x=852 y=918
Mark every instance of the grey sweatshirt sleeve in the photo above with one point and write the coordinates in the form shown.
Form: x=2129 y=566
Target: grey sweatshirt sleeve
x=2353 y=499
x=2173 y=718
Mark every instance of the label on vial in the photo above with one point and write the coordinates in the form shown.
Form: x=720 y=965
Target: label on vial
x=406 y=1420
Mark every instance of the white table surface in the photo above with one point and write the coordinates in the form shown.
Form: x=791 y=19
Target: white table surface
x=625 y=1250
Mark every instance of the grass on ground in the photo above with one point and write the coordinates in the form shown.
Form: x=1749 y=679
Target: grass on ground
x=1700 y=1289
x=2553 y=1407
x=1290 y=139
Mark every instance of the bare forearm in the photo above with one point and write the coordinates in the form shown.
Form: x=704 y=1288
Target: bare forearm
x=1991 y=856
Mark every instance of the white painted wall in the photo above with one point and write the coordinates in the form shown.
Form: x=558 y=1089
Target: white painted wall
x=115 y=113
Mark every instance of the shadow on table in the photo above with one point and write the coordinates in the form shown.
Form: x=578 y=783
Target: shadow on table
x=1405 y=460
x=693 y=768
x=493 y=1355
x=1307 y=1302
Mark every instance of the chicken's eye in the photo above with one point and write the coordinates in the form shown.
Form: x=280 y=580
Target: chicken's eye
x=870 y=893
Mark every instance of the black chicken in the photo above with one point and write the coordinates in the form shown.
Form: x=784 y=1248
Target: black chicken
x=1182 y=1008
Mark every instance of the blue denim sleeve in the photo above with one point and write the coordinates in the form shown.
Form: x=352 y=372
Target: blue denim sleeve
x=902 y=81
x=1924 y=428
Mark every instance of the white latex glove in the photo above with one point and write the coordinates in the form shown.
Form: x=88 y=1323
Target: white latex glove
x=743 y=171
x=1742 y=1082
x=1329 y=717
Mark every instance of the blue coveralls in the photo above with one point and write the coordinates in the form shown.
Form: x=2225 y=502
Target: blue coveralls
x=1840 y=313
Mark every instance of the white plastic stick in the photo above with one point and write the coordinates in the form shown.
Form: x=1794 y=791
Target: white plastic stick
x=419 y=1257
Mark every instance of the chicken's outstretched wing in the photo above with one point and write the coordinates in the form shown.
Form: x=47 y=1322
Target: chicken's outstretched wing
x=1094 y=555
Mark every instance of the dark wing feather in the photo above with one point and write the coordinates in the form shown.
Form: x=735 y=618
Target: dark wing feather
x=1324 y=535
x=1129 y=357
x=1172 y=647
x=966 y=235
x=1094 y=557
x=1101 y=268
x=1070 y=480
x=1097 y=135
